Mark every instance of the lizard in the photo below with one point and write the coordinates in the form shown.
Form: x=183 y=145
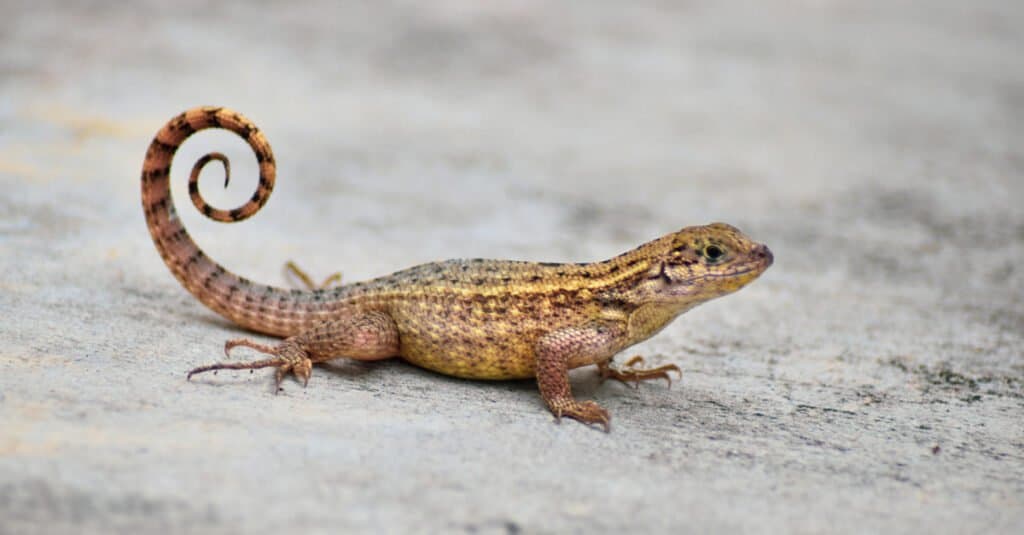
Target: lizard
x=468 y=318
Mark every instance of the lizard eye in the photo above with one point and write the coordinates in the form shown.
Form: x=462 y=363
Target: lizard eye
x=713 y=253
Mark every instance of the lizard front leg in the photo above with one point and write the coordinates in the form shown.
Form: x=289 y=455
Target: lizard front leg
x=293 y=269
x=366 y=336
x=560 y=350
x=631 y=372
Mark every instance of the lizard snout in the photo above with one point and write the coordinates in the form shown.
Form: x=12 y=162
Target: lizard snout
x=763 y=253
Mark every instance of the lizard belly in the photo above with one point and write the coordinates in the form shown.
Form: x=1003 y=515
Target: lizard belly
x=487 y=348
x=468 y=357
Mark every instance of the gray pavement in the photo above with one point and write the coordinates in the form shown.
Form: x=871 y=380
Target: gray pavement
x=871 y=381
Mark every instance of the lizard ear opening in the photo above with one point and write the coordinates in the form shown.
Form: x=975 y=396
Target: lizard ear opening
x=666 y=274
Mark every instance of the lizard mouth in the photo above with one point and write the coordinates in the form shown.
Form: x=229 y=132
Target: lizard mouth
x=733 y=274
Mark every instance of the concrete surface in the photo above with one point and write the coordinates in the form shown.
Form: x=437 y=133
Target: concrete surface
x=872 y=381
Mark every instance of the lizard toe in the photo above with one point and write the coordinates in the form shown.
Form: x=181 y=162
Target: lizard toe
x=587 y=412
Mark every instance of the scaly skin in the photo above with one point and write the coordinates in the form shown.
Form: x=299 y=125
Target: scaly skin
x=479 y=319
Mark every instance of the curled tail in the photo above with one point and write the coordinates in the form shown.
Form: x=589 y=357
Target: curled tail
x=261 y=308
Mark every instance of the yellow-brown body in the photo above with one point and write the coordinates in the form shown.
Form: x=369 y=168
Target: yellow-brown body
x=480 y=319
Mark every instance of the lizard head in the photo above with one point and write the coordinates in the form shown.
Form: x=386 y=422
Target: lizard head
x=696 y=264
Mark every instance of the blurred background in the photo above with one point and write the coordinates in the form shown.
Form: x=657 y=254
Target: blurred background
x=873 y=379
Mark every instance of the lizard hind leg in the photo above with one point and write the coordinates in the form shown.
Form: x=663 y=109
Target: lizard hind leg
x=287 y=357
x=363 y=336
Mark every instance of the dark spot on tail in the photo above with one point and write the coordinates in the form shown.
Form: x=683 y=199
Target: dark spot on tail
x=166 y=147
x=183 y=126
x=212 y=115
x=158 y=206
x=194 y=258
x=214 y=275
x=154 y=174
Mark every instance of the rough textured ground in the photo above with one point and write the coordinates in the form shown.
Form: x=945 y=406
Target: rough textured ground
x=872 y=380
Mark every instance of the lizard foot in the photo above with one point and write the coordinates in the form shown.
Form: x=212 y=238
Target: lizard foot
x=588 y=412
x=632 y=373
x=291 y=268
x=288 y=357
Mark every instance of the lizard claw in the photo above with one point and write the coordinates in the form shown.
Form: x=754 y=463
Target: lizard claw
x=587 y=412
x=295 y=362
x=632 y=373
x=287 y=358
